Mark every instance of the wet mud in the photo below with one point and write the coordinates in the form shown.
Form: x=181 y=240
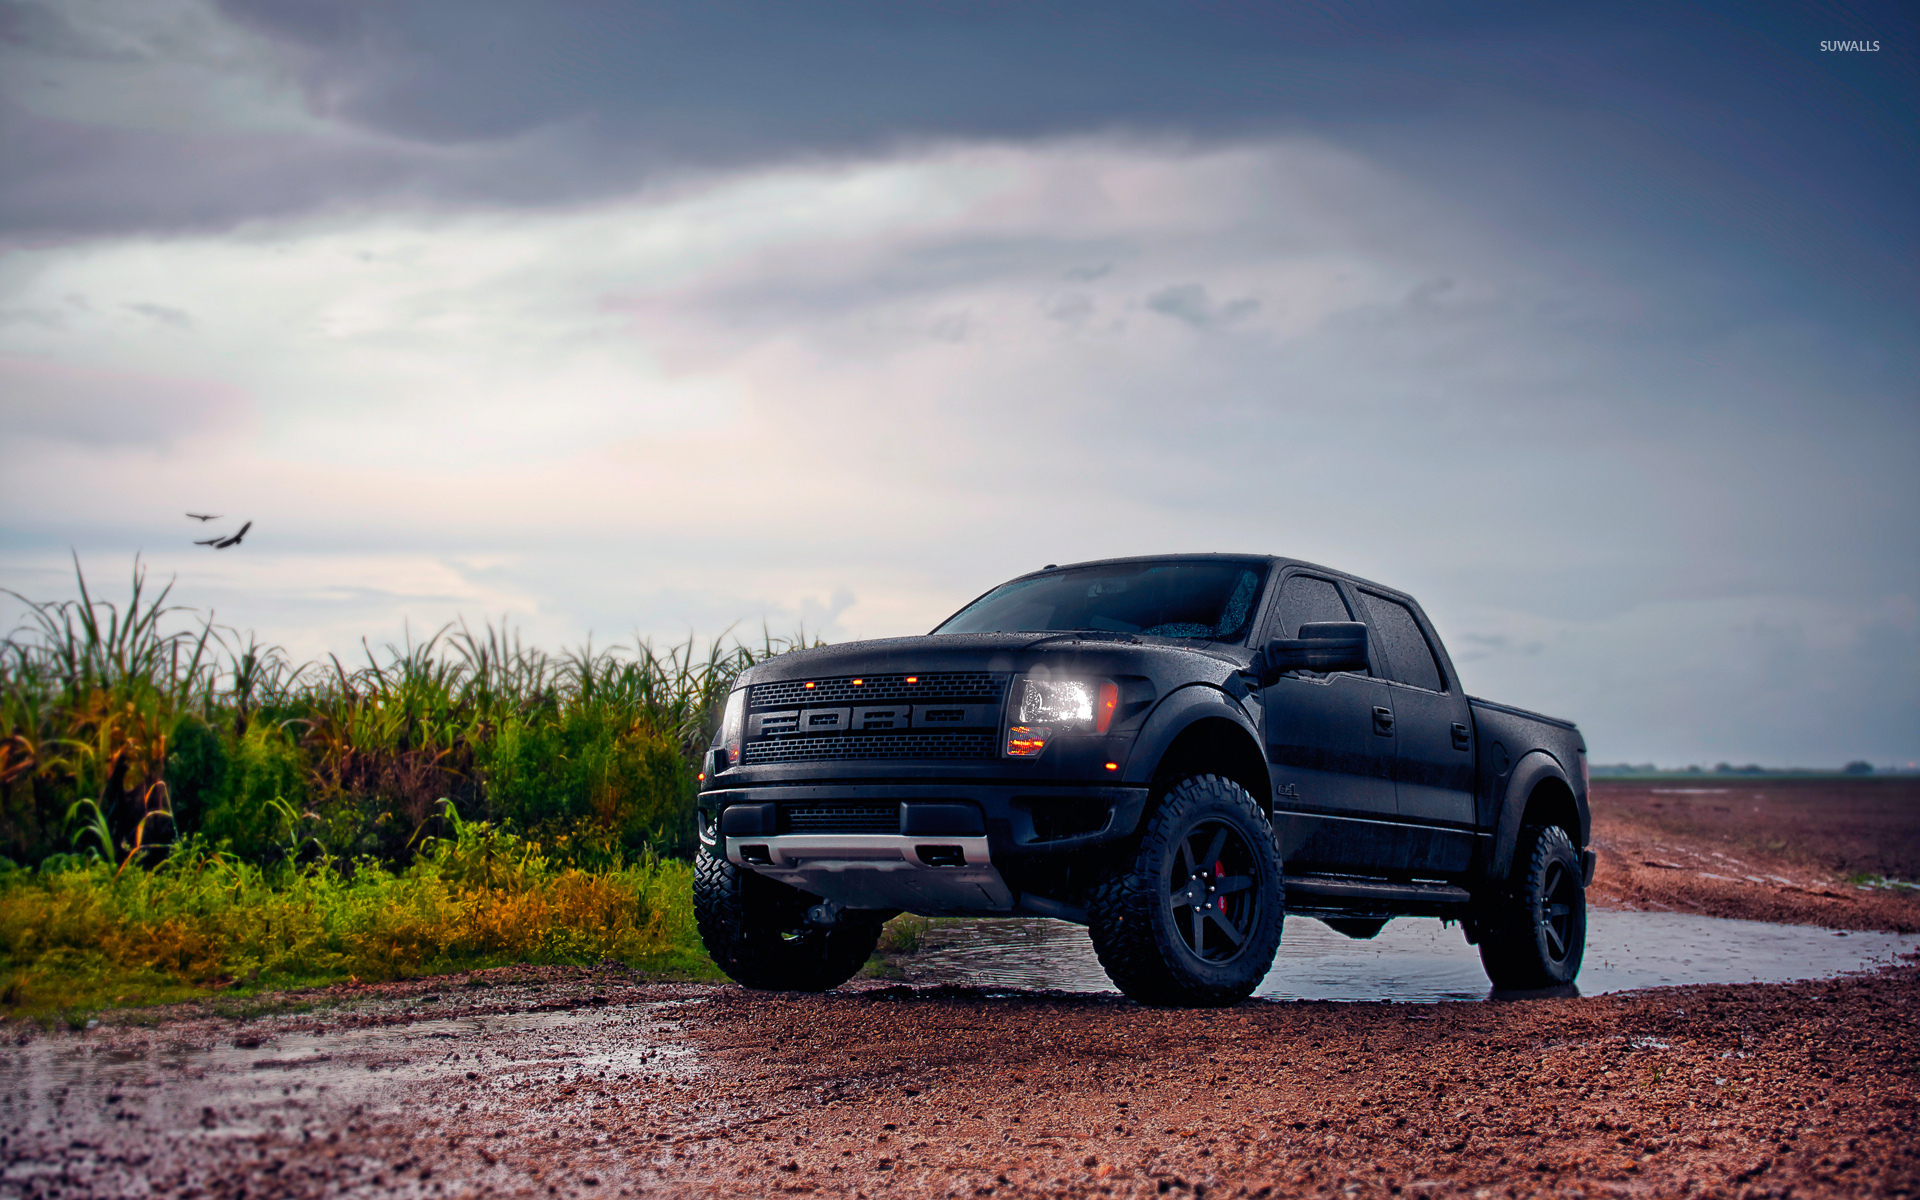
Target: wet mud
x=1782 y=850
x=588 y=1083
x=584 y=1084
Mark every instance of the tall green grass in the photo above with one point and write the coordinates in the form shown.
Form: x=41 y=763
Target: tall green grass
x=127 y=730
x=182 y=808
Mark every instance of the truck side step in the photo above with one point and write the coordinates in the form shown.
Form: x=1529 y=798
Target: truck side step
x=1315 y=893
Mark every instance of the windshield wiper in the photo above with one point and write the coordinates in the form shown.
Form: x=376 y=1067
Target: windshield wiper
x=1083 y=635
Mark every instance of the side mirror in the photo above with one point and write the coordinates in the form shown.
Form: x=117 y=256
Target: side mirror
x=1321 y=646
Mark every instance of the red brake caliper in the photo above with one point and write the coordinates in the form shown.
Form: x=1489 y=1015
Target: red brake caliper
x=1219 y=872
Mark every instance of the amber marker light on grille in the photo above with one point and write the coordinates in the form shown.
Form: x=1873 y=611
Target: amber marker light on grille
x=809 y=685
x=858 y=682
x=1026 y=741
x=913 y=679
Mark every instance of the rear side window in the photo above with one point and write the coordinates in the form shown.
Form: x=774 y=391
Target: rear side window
x=1412 y=659
x=1304 y=600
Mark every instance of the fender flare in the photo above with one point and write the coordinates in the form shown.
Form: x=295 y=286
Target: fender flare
x=1174 y=715
x=1534 y=766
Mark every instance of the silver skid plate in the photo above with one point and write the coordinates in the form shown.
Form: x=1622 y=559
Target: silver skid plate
x=876 y=870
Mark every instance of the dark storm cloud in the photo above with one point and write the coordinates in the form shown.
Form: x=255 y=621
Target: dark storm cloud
x=1596 y=329
x=1723 y=133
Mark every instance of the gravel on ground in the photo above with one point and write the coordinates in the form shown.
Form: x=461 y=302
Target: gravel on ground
x=581 y=1083
x=578 y=1082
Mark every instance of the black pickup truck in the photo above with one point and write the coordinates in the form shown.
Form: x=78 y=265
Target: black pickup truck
x=1173 y=751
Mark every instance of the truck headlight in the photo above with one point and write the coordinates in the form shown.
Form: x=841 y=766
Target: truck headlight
x=733 y=724
x=1049 y=706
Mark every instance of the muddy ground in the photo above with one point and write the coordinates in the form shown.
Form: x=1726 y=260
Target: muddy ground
x=580 y=1083
x=1782 y=850
x=584 y=1086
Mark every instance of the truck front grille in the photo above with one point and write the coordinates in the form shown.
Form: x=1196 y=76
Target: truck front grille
x=950 y=687
x=943 y=744
x=870 y=717
x=840 y=818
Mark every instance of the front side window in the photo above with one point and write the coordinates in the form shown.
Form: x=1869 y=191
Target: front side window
x=1309 y=600
x=1211 y=599
x=1306 y=600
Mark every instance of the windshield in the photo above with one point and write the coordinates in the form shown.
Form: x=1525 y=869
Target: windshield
x=1210 y=599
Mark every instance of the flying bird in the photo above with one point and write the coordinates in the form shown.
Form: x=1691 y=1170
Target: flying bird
x=205 y=516
x=221 y=543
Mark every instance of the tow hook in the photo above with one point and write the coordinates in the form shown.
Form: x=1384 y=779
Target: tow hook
x=827 y=912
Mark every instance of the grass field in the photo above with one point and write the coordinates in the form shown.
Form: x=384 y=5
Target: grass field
x=183 y=811
x=205 y=924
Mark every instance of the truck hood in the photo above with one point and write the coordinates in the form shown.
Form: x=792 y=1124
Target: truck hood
x=981 y=652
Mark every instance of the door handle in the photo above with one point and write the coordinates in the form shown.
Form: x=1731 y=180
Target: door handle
x=1383 y=721
x=1462 y=739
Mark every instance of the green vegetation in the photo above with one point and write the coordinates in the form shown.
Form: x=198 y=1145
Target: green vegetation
x=1868 y=879
x=84 y=935
x=902 y=937
x=186 y=811
x=904 y=934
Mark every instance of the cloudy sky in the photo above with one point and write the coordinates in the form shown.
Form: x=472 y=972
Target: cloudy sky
x=1597 y=332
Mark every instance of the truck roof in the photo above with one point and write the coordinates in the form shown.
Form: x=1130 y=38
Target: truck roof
x=1221 y=556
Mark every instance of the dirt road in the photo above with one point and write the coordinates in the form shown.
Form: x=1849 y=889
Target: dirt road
x=567 y=1082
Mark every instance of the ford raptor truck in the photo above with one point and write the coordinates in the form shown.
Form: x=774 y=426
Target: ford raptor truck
x=1172 y=751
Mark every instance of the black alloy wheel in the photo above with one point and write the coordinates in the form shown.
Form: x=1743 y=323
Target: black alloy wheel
x=1533 y=933
x=1559 y=893
x=1210 y=894
x=1192 y=915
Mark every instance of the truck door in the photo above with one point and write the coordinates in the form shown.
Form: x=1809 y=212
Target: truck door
x=1330 y=746
x=1434 y=755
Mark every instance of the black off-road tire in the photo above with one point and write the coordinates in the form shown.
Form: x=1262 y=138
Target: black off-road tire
x=1534 y=931
x=1191 y=918
x=757 y=931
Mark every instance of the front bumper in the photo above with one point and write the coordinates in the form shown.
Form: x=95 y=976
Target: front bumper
x=1016 y=818
x=950 y=852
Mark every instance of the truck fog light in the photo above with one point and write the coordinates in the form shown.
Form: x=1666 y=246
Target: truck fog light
x=1025 y=741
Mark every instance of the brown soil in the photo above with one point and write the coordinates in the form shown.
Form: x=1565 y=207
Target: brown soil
x=567 y=1082
x=1781 y=850
x=1702 y=1091
x=1761 y=1090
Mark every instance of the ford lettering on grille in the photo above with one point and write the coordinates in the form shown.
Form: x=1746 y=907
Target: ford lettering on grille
x=951 y=715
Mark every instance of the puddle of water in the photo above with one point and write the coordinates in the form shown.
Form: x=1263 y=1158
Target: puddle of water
x=1419 y=960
